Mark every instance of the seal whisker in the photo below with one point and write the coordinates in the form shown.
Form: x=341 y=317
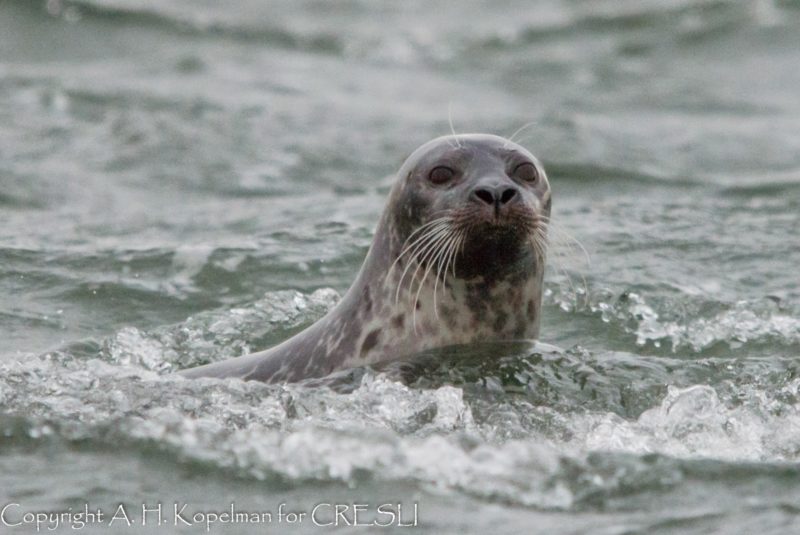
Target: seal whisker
x=455 y=244
x=438 y=261
x=567 y=240
x=454 y=253
x=540 y=241
x=421 y=239
x=426 y=255
x=555 y=227
x=534 y=241
x=429 y=244
x=453 y=130
x=562 y=270
x=559 y=267
x=419 y=247
x=439 y=258
x=461 y=245
x=429 y=228
x=441 y=263
x=423 y=229
x=428 y=258
x=421 y=254
x=517 y=132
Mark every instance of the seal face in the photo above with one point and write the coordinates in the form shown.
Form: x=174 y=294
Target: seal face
x=458 y=257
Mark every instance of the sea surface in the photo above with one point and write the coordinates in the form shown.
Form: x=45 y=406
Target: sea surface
x=185 y=181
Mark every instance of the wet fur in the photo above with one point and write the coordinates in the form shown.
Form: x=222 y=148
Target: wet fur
x=480 y=279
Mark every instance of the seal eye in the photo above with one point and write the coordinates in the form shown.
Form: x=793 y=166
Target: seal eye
x=526 y=171
x=441 y=174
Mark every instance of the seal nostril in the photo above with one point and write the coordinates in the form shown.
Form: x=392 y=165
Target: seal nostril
x=507 y=195
x=485 y=195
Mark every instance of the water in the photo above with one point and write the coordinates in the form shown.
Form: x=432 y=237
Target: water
x=187 y=181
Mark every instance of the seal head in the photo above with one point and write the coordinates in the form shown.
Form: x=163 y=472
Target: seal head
x=458 y=257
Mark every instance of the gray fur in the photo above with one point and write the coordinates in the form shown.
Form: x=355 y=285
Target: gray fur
x=495 y=292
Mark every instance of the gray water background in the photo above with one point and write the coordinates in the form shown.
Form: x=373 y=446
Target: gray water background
x=186 y=181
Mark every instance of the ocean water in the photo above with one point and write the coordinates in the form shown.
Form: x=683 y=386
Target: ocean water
x=183 y=181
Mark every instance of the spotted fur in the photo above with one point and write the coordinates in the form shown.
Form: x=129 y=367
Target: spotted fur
x=491 y=289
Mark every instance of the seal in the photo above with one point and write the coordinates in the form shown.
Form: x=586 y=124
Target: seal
x=458 y=257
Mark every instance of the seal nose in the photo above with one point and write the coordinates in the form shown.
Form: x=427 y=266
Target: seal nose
x=498 y=195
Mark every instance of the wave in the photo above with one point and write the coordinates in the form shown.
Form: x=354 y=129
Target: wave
x=194 y=22
x=582 y=173
x=439 y=38
x=463 y=439
x=686 y=20
x=750 y=323
x=535 y=426
x=219 y=335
